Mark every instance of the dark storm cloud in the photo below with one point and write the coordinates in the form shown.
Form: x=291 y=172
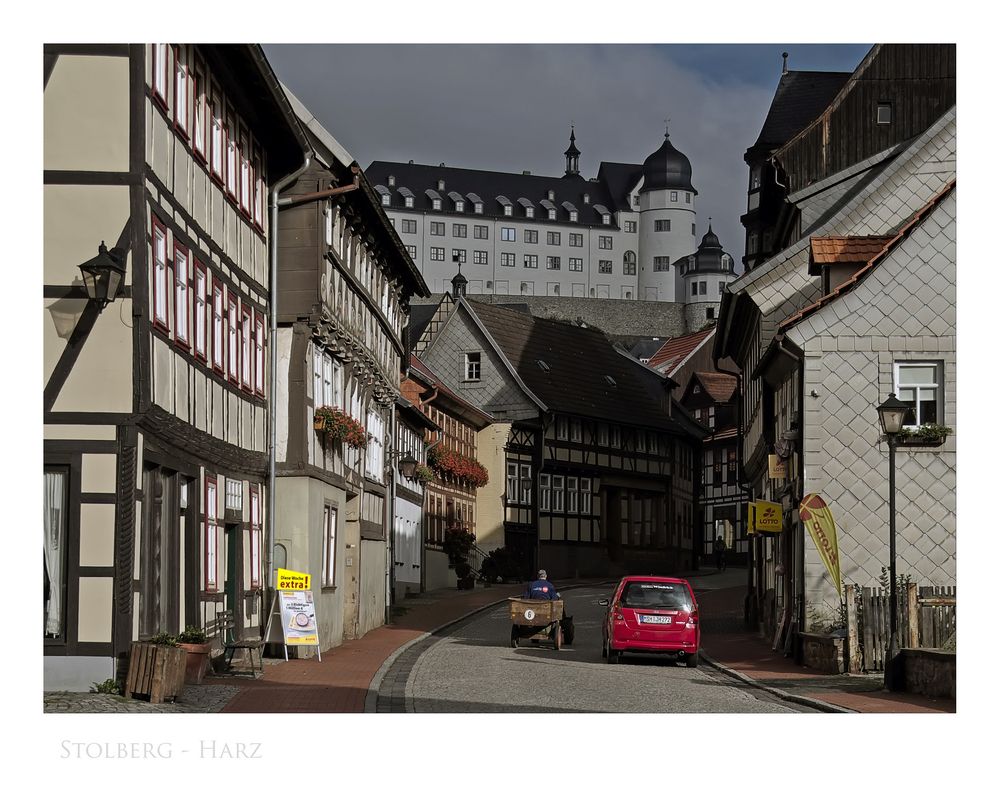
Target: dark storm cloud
x=509 y=107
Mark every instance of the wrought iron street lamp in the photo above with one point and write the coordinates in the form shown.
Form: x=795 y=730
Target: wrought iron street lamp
x=408 y=466
x=103 y=275
x=891 y=414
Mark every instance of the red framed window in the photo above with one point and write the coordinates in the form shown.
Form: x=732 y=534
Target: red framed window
x=246 y=173
x=161 y=311
x=218 y=134
x=218 y=328
x=182 y=91
x=260 y=190
x=255 y=534
x=246 y=347
x=233 y=321
x=200 y=310
x=259 y=353
x=199 y=88
x=182 y=311
x=160 y=71
x=232 y=156
x=211 y=534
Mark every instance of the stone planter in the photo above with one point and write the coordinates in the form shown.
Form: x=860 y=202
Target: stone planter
x=929 y=671
x=825 y=653
x=197 y=656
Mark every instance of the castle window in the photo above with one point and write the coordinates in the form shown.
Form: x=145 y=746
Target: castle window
x=673 y=196
x=661 y=226
x=661 y=263
x=883 y=113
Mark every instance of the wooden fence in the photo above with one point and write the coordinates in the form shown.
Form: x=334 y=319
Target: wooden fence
x=926 y=619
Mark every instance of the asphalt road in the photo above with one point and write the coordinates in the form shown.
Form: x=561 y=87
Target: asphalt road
x=474 y=669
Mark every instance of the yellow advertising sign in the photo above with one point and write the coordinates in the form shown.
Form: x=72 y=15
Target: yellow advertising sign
x=777 y=468
x=292 y=581
x=818 y=520
x=768 y=516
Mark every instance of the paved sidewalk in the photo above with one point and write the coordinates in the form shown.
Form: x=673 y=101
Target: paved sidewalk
x=745 y=655
x=340 y=682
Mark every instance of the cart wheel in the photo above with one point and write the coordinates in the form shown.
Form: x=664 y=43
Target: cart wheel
x=557 y=637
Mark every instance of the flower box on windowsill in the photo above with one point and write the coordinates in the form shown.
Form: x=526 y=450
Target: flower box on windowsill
x=920 y=440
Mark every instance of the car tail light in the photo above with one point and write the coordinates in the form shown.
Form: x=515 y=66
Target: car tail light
x=692 y=622
x=618 y=613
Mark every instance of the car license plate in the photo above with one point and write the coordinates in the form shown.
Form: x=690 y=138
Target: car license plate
x=655 y=619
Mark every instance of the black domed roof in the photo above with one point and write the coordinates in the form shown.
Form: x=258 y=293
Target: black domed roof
x=710 y=257
x=667 y=168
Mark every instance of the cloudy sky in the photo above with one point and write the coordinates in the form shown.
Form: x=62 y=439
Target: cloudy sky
x=509 y=107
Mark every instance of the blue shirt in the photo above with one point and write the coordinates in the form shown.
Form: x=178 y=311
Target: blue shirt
x=541 y=589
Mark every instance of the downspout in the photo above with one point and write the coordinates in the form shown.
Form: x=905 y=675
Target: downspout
x=423 y=507
x=272 y=407
x=390 y=560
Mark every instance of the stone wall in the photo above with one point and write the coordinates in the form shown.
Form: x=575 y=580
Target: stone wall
x=612 y=316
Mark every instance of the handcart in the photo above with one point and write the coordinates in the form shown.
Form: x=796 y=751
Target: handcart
x=538 y=620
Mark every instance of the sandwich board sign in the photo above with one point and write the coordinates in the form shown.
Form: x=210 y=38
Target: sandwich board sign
x=298 y=610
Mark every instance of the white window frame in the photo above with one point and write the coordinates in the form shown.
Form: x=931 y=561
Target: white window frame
x=182 y=81
x=182 y=268
x=473 y=366
x=572 y=495
x=575 y=430
x=605 y=242
x=558 y=499
x=586 y=501
x=508 y=233
x=562 y=428
x=259 y=353
x=255 y=537
x=160 y=70
x=218 y=327
x=161 y=309
x=508 y=259
x=544 y=492
x=211 y=535
x=524 y=481
x=513 y=478
x=329 y=546
x=200 y=310
x=217 y=125
x=246 y=346
x=936 y=387
x=233 y=346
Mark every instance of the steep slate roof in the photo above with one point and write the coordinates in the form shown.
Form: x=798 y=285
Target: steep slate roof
x=882 y=253
x=620 y=179
x=800 y=97
x=578 y=359
x=479 y=418
x=489 y=186
x=674 y=351
x=420 y=316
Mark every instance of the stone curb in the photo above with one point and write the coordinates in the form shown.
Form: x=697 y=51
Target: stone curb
x=787 y=696
x=371 y=695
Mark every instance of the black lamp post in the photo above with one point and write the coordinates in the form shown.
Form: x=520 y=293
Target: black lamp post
x=408 y=466
x=891 y=414
x=103 y=275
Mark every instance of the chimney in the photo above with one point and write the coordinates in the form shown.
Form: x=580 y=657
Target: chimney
x=526 y=172
x=784 y=62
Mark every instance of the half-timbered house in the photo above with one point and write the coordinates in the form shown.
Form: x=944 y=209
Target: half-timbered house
x=155 y=406
x=599 y=468
x=344 y=281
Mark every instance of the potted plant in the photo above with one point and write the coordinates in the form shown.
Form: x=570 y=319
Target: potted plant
x=423 y=473
x=156 y=668
x=194 y=641
x=924 y=435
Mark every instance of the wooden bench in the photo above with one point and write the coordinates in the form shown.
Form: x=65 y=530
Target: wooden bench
x=225 y=621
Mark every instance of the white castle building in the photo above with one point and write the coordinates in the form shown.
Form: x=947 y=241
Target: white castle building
x=630 y=233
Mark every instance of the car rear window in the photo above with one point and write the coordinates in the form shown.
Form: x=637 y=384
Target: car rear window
x=655 y=595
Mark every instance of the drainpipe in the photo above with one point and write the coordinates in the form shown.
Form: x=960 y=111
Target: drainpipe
x=390 y=563
x=272 y=407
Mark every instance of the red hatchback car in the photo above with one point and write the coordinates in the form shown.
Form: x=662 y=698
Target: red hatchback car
x=652 y=615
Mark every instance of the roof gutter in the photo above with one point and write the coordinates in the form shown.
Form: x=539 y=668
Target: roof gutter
x=272 y=405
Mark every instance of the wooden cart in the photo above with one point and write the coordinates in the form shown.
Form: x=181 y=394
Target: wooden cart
x=538 y=620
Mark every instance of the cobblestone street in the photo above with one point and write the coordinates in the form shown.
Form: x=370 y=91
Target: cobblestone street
x=196 y=699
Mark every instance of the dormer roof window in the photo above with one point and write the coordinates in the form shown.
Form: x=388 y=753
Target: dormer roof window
x=477 y=202
x=458 y=200
x=586 y=199
x=407 y=196
x=384 y=193
x=552 y=194
x=507 y=205
x=571 y=210
x=392 y=180
x=440 y=186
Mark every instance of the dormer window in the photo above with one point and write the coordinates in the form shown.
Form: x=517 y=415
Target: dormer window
x=552 y=213
x=552 y=194
x=606 y=219
x=586 y=199
x=529 y=213
x=436 y=203
x=386 y=199
x=392 y=180
x=479 y=207
x=573 y=216
x=408 y=202
x=460 y=206
x=508 y=210
x=440 y=186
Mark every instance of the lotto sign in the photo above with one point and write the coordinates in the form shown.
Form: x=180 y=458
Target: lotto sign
x=292 y=581
x=768 y=516
x=818 y=520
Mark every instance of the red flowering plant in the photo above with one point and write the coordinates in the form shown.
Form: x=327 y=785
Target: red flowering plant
x=464 y=469
x=334 y=423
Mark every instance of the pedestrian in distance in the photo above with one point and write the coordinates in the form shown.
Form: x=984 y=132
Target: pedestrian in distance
x=719 y=550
